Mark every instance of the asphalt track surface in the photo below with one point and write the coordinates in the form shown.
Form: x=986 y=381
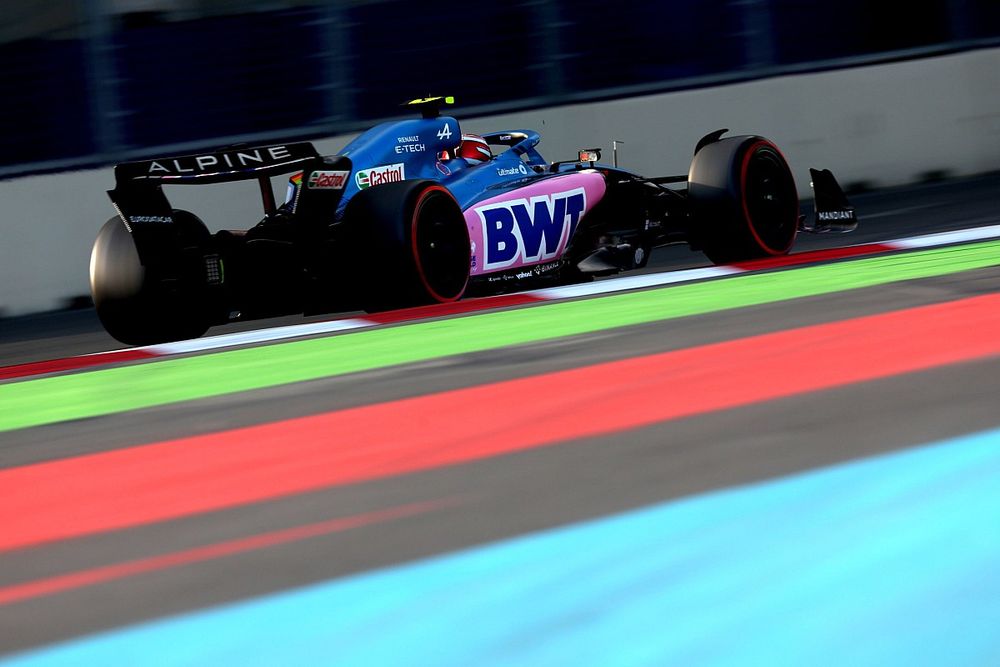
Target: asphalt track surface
x=348 y=497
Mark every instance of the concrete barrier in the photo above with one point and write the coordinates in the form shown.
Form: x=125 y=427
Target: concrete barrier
x=885 y=125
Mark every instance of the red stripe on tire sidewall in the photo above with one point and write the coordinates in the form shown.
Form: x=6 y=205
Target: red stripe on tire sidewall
x=416 y=254
x=743 y=198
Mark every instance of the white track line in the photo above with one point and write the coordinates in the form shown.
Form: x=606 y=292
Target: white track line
x=258 y=336
x=313 y=328
x=944 y=238
x=634 y=282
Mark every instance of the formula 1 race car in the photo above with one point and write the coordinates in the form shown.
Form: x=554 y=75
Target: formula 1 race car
x=400 y=218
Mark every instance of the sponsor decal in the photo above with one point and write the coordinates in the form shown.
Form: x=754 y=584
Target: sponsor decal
x=410 y=144
x=523 y=274
x=519 y=170
x=835 y=215
x=151 y=218
x=389 y=173
x=443 y=168
x=200 y=164
x=505 y=137
x=445 y=132
x=328 y=180
x=529 y=230
x=533 y=271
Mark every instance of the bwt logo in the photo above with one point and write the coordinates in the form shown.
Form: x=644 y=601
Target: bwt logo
x=530 y=230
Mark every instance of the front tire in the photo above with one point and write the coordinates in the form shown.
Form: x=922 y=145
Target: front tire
x=744 y=201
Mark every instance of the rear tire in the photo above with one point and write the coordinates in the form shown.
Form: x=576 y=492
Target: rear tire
x=409 y=245
x=743 y=200
x=138 y=308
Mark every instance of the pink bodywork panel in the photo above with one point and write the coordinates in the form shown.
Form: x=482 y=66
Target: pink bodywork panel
x=530 y=208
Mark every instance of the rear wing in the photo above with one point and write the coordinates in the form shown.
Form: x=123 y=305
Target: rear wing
x=234 y=164
x=138 y=184
x=142 y=205
x=142 y=180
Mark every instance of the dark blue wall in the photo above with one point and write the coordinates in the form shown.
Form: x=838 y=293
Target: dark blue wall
x=315 y=70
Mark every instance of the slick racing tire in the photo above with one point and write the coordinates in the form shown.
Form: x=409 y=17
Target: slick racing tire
x=408 y=245
x=744 y=202
x=138 y=308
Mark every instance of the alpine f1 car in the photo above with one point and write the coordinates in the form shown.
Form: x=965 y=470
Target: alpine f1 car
x=401 y=218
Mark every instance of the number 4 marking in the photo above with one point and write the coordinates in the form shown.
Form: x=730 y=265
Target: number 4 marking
x=445 y=132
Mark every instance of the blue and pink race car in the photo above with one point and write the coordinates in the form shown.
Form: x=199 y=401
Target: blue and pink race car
x=414 y=212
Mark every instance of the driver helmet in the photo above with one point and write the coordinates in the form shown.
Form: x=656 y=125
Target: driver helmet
x=474 y=149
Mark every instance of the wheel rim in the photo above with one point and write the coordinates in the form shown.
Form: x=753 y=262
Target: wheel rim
x=770 y=200
x=440 y=245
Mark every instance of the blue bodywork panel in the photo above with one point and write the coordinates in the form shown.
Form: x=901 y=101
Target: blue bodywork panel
x=409 y=149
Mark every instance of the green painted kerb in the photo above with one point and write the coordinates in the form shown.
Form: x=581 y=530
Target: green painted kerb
x=107 y=391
